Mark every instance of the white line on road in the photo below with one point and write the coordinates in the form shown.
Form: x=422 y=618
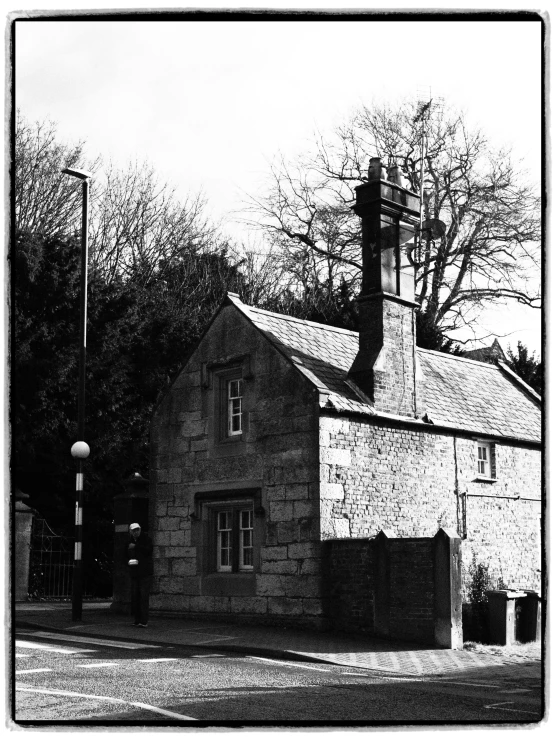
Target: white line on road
x=158 y=659
x=36 y=669
x=92 y=640
x=210 y=641
x=98 y=664
x=465 y=683
x=48 y=647
x=284 y=664
x=69 y=694
x=499 y=707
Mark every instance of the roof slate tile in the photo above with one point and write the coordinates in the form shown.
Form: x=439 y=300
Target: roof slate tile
x=458 y=392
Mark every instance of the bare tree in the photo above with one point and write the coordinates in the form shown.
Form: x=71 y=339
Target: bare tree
x=137 y=224
x=488 y=251
x=46 y=201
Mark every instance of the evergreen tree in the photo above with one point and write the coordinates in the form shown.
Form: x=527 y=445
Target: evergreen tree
x=526 y=366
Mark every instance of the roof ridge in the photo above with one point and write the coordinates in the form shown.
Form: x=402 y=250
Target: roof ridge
x=327 y=327
x=303 y=321
x=457 y=357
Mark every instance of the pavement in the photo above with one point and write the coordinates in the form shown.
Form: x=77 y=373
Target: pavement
x=393 y=658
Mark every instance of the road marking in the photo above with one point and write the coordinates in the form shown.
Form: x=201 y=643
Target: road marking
x=203 y=656
x=48 y=647
x=158 y=659
x=70 y=694
x=497 y=706
x=516 y=690
x=467 y=684
x=92 y=640
x=98 y=664
x=37 y=669
x=209 y=641
x=284 y=664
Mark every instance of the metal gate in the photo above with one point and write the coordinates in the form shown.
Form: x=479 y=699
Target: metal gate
x=51 y=562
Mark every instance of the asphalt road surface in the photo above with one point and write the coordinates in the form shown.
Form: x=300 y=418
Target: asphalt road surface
x=64 y=679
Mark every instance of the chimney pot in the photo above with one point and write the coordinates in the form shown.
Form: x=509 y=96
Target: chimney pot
x=395 y=176
x=376 y=170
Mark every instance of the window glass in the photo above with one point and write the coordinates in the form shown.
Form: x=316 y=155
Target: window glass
x=246 y=540
x=483 y=460
x=235 y=539
x=234 y=407
x=224 y=541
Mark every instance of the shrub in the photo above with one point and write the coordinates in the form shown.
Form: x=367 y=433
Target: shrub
x=477 y=594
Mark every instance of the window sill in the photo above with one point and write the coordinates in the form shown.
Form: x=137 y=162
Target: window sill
x=482 y=478
x=232 y=447
x=231 y=439
x=238 y=573
x=229 y=583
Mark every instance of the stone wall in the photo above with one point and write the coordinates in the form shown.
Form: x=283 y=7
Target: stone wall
x=378 y=475
x=275 y=462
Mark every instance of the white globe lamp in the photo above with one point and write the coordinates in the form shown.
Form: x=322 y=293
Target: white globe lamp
x=80 y=450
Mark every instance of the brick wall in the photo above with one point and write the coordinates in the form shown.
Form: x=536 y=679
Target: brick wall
x=384 y=367
x=376 y=476
x=406 y=591
x=412 y=590
x=276 y=460
x=350 y=584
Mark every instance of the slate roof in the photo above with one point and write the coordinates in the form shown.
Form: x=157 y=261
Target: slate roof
x=461 y=393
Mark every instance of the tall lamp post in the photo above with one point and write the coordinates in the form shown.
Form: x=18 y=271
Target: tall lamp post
x=80 y=450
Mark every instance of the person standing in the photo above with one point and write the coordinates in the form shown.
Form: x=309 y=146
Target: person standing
x=141 y=569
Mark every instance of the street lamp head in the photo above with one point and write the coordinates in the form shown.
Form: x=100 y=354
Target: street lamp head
x=80 y=450
x=79 y=173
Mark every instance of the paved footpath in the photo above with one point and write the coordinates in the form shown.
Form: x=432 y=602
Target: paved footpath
x=391 y=657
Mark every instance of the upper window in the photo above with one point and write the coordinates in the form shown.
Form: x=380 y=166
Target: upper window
x=228 y=379
x=485 y=460
x=234 y=407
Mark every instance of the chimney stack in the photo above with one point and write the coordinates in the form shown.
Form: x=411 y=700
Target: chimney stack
x=385 y=366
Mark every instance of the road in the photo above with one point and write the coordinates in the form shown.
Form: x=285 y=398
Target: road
x=62 y=678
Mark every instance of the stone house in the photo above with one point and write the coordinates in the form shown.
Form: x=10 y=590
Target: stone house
x=280 y=435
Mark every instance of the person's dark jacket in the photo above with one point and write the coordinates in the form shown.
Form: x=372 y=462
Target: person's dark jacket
x=143 y=552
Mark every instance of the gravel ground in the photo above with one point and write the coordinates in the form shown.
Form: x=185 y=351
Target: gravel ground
x=531 y=650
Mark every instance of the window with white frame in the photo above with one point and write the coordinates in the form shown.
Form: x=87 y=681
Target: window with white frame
x=235 y=539
x=485 y=459
x=234 y=407
x=224 y=542
x=246 y=545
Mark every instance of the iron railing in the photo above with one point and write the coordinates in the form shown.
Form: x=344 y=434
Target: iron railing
x=51 y=562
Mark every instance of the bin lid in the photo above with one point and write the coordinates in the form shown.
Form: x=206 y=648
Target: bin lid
x=508 y=594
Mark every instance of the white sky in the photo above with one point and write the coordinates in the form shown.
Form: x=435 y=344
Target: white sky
x=210 y=103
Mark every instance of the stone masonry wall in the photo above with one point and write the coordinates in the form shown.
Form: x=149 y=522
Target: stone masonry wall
x=276 y=459
x=376 y=476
